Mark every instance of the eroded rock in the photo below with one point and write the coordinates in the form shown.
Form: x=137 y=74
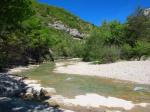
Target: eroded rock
x=72 y=31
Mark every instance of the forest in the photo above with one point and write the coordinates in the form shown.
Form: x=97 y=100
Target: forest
x=25 y=36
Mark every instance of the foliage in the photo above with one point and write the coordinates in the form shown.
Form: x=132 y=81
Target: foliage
x=25 y=35
x=50 y=14
x=97 y=50
x=112 y=32
x=137 y=27
x=113 y=40
x=12 y=13
x=141 y=49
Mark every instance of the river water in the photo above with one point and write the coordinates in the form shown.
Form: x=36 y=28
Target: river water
x=73 y=85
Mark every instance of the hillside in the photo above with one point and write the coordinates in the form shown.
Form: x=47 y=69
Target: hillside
x=60 y=19
x=32 y=32
x=39 y=29
x=63 y=30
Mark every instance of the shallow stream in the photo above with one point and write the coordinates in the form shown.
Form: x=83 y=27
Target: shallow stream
x=73 y=85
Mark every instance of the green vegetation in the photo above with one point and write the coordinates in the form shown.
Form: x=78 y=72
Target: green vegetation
x=50 y=14
x=104 y=44
x=12 y=14
x=26 y=37
x=114 y=41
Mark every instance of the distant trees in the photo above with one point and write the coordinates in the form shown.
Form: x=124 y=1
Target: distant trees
x=25 y=35
x=137 y=27
x=103 y=44
x=113 y=32
x=115 y=41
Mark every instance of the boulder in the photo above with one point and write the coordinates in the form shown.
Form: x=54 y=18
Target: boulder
x=10 y=85
x=55 y=100
x=35 y=91
x=49 y=91
x=28 y=96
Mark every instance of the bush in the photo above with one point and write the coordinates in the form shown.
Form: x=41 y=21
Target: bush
x=141 y=49
x=97 y=50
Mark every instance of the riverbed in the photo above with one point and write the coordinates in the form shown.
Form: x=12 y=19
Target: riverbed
x=72 y=85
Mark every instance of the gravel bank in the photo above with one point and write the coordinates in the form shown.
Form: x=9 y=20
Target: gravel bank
x=135 y=71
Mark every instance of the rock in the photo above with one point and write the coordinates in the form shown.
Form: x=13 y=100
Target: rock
x=72 y=31
x=147 y=12
x=52 y=103
x=19 y=105
x=49 y=91
x=28 y=96
x=35 y=91
x=10 y=85
x=55 y=100
x=29 y=90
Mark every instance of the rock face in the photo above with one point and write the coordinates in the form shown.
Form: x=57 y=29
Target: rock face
x=72 y=31
x=147 y=12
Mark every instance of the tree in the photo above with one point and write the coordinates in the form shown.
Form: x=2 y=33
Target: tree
x=137 y=27
x=12 y=13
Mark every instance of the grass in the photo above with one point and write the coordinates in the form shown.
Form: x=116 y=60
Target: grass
x=72 y=85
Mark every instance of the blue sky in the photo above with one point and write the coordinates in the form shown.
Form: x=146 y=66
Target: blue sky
x=95 y=11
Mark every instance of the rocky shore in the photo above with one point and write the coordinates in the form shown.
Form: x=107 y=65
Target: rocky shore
x=20 y=94
x=133 y=71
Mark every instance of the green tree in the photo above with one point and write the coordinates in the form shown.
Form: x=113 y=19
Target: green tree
x=12 y=13
x=112 y=33
x=137 y=27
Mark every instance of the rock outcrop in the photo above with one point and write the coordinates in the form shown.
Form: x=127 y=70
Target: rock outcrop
x=147 y=12
x=72 y=31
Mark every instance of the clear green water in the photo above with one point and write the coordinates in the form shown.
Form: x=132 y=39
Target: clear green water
x=72 y=85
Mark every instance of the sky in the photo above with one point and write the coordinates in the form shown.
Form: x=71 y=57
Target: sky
x=96 y=11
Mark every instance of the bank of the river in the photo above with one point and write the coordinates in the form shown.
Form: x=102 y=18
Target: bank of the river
x=81 y=92
x=135 y=71
x=21 y=94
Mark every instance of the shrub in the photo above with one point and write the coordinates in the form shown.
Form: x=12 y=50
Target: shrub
x=97 y=50
x=141 y=49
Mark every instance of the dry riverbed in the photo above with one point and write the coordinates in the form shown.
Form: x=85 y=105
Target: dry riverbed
x=135 y=71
